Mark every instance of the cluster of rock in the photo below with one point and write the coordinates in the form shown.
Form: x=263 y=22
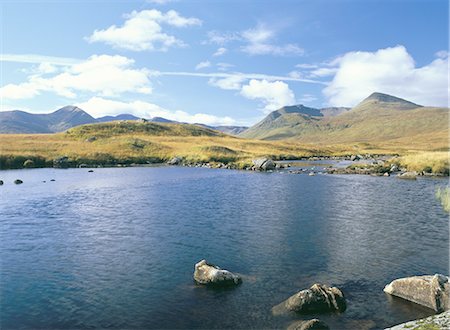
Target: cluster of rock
x=430 y=291
x=318 y=298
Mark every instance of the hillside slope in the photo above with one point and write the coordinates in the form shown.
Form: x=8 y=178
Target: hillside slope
x=378 y=119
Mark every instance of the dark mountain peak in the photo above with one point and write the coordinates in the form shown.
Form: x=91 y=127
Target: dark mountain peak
x=386 y=98
x=70 y=109
x=295 y=109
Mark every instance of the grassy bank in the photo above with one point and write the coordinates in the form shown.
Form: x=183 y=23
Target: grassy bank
x=141 y=143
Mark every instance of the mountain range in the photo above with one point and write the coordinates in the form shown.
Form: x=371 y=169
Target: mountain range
x=378 y=119
x=21 y=122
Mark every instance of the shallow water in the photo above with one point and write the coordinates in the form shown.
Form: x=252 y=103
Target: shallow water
x=116 y=248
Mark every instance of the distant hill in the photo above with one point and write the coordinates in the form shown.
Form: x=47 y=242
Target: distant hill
x=23 y=122
x=118 y=117
x=380 y=118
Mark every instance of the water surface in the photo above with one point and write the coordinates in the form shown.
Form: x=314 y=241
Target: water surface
x=116 y=248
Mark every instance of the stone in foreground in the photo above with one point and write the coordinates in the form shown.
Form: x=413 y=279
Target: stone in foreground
x=438 y=322
x=314 y=324
x=209 y=274
x=430 y=291
x=263 y=164
x=318 y=298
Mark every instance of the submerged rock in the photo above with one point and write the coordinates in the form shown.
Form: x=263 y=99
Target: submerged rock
x=430 y=291
x=318 y=298
x=314 y=324
x=18 y=181
x=1 y=182
x=210 y=274
x=263 y=164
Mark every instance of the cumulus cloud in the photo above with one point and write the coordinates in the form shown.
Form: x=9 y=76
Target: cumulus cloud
x=273 y=95
x=220 y=51
x=101 y=74
x=97 y=107
x=143 y=31
x=392 y=71
x=233 y=82
x=202 y=65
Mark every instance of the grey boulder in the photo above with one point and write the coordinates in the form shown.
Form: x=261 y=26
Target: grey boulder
x=427 y=290
x=264 y=164
x=175 y=161
x=209 y=274
x=318 y=298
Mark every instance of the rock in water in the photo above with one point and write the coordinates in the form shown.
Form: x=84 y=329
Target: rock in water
x=408 y=176
x=18 y=181
x=264 y=164
x=430 y=291
x=314 y=324
x=318 y=298
x=209 y=274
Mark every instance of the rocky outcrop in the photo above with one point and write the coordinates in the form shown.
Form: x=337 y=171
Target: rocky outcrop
x=209 y=274
x=314 y=324
x=318 y=298
x=430 y=291
x=263 y=164
x=440 y=321
x=175 y=161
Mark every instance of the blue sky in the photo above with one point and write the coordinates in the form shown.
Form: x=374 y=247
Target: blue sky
x=219 y=62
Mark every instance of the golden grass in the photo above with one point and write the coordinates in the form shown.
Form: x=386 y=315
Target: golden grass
x=436 y=162
x=128 y=142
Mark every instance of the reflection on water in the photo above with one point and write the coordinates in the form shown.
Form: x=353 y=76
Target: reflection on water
x=116 y=248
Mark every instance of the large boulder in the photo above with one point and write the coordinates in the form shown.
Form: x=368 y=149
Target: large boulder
x=430 y=291
x=314 y=324
x=209 y=274
x=263 y=164
x=318 y=298
x=175 y=161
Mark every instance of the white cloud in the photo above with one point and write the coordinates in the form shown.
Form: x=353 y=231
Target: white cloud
x=392 y=71
x=306 y=66
x=38 y=59
x=19 y=91
x=143 y=31
x=274 y=95
x=99 y=107
x=220 y=51
x=323 y=72
x=233 y=82
x=102 y=74
x=202 y=65
x=259 y=42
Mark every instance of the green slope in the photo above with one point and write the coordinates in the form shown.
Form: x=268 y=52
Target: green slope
x=380 y=118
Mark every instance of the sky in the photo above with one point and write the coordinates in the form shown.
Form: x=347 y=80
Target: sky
x=221 y=62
